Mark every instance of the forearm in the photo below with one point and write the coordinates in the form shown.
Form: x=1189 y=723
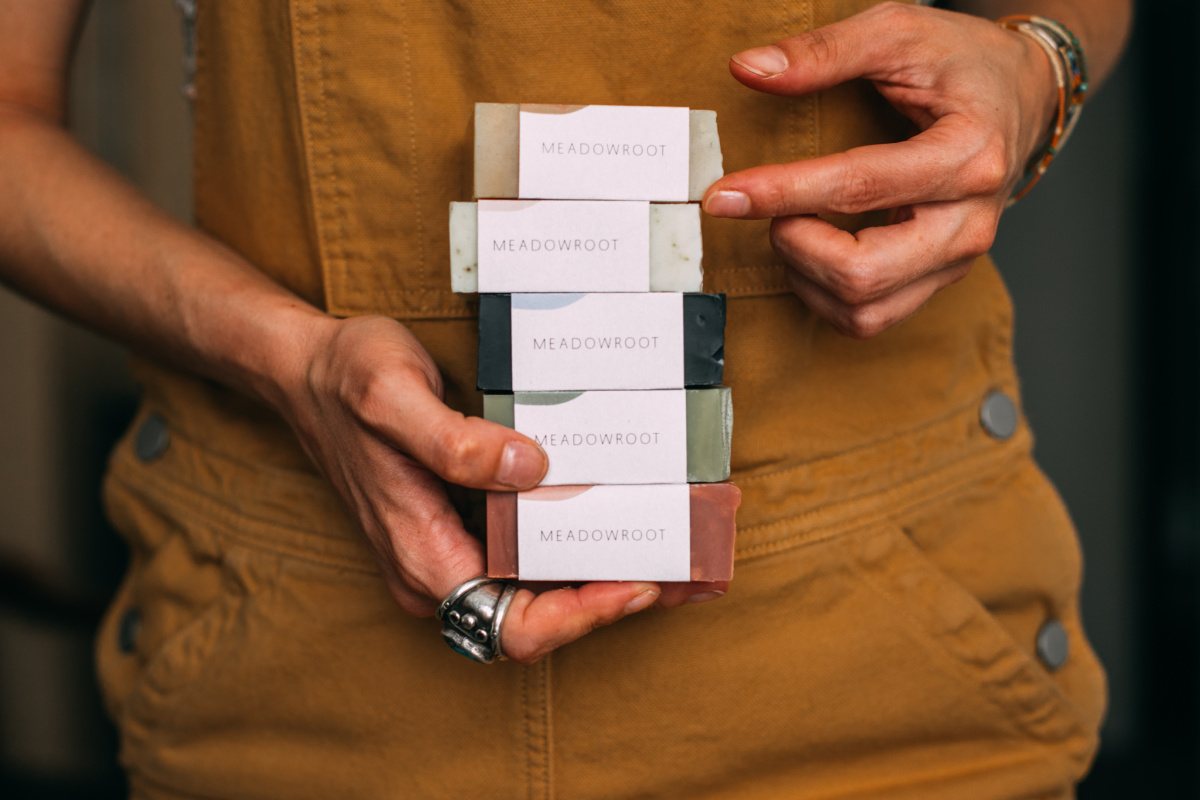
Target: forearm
x=1101 y=25
x=77 y=238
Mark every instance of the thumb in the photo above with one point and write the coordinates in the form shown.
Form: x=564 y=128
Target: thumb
x=465 y=450
x=866 y=45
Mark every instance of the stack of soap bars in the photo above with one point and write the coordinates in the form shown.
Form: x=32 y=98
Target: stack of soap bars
x=596 y=341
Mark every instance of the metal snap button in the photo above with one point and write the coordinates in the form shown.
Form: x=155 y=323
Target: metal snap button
x=998 y=415
x=127 y=630
x=1052 y=644
x=152 y=438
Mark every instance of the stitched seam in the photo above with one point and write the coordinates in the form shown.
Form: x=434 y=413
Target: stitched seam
x=525 y=672
x=336 y=213
x=226 y=522
x=289 y=475
x=750 y=476
x=1014 y=715
x=221 y=502
x=538 y=704
x=889 y=504
x=200 y=117
x=744 y=478
x=424 y=304
x=326 y=210
x=548 y=724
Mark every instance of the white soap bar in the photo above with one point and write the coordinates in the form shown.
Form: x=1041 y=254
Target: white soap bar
x=497 y=142
x=676 y=250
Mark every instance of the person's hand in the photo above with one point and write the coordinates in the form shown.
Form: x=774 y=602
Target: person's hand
x=366 y=404
x=983 y=99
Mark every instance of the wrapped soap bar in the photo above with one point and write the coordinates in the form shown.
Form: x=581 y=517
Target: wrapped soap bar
x=624 y=437
x=594 y=152
x=576 y=342
x=575 y=246
x=578 y=533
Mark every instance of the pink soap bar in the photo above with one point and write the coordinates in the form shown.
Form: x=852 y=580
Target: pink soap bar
x=714 y=527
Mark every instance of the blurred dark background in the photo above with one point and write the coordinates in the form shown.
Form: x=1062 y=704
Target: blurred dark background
x=1102 y=271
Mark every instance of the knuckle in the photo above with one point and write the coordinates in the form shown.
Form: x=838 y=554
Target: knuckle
x=864 y=322
x=821 y=46
x=978 y=241
x=459 y=452
x=897 y=17
x=370 y=395
x=987 y=173
x=436 y=552
x=856 y=285
x=773 y=198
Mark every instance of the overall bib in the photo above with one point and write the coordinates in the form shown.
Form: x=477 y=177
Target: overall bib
x=906 y=578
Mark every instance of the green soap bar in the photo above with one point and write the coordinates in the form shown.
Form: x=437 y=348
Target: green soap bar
x=709 y=425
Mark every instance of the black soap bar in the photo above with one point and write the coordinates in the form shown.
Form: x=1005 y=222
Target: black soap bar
x=495 y=343
x=703 y=343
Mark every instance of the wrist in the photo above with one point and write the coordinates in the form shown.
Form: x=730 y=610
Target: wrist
x=278 y=370
x=274 y=361
x=253 y=335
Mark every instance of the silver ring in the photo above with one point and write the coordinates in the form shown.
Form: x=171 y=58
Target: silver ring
x=472 y=615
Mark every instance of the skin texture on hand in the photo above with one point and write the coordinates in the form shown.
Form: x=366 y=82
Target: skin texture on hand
x=368 y=409
x=982 y=99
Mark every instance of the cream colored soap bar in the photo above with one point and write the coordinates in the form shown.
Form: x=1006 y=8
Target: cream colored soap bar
x=497 y=134
x=675 y=247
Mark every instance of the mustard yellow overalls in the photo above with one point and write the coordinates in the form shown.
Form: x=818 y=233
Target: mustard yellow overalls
x=903 y=619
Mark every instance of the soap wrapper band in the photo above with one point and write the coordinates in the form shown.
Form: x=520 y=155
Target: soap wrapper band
x=709 y=425
x=703 y=344
x=676 y=248
x=713 y=509
x=497 y=143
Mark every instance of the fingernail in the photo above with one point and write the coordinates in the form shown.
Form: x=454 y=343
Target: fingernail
x=643 y=600
x=765 y=61
x=727 y=204
x=704 y=597
x=521 y=465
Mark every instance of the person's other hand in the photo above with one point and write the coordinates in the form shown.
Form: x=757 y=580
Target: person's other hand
x=367 y=407
x=983 y=99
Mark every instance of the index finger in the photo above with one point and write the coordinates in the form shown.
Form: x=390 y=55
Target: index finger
x=874 y=44
x=947 y=162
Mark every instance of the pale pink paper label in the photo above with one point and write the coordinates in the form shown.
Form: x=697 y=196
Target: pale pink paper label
x=615 y=533
x=609 y=437
x=564 y=246
x=571 y=342
x=604 y=153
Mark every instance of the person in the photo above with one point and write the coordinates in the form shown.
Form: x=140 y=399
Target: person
x=904 y=619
